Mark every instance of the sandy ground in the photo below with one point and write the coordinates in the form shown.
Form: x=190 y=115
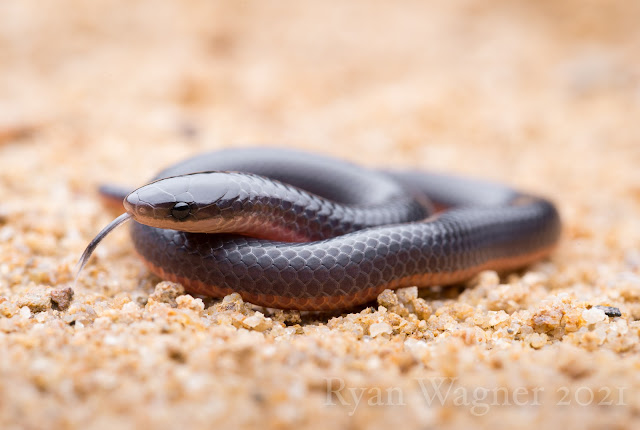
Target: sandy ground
x=541 y=95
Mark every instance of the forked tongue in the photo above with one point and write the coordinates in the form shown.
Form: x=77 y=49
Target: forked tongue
x=96 y=240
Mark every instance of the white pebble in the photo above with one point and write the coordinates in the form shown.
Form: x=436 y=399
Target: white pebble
x=379 y=328
x=593 y=315
x=253 y=321
x=25 y=312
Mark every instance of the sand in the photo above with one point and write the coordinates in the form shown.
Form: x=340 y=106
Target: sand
x=544 y=96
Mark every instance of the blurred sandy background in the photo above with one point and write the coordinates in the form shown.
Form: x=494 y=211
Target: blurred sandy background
x=543 y=95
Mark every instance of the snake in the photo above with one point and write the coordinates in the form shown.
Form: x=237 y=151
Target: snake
x=295 y=230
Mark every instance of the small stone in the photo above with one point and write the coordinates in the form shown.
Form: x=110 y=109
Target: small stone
x=547 y=319
x=79 y=313
x=36 y=301
x=421 y=308
x=496 y=318
x=232 y=303
x=289 y=317
x=377 y=329
x=537 y=340
x=593 y=315
x=25 y=312
x=257 y=322
x=167 y=292
x=389 y=299
x=407 y=295
x=188 y=302
x=609 y=311
x=61 y=298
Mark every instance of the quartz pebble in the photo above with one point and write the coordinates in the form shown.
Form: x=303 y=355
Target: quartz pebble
x=593 y=315
x=377 y=329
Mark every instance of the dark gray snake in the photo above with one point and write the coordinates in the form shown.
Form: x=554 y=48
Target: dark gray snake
x=293 y=230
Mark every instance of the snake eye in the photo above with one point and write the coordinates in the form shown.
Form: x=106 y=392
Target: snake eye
x=180 y=210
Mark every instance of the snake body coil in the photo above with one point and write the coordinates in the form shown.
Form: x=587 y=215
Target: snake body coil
x=293 y=230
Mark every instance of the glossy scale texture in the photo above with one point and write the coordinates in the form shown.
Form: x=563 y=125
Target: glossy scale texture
x=348 y=263
x=257 y=206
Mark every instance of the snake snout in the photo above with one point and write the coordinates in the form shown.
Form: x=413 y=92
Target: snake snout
x=130 y=202
x=136 y=207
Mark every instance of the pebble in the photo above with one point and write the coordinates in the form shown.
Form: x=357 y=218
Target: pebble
x=593 y=315
x=609 y=311
x=61 y=298
x=377 y=329
x=37 y=300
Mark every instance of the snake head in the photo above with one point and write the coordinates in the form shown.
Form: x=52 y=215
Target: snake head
x=193 y=203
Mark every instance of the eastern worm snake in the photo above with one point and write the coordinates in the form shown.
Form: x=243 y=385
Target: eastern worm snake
x=292 y=230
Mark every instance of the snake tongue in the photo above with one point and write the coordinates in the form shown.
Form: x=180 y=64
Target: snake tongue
x=96 y=240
